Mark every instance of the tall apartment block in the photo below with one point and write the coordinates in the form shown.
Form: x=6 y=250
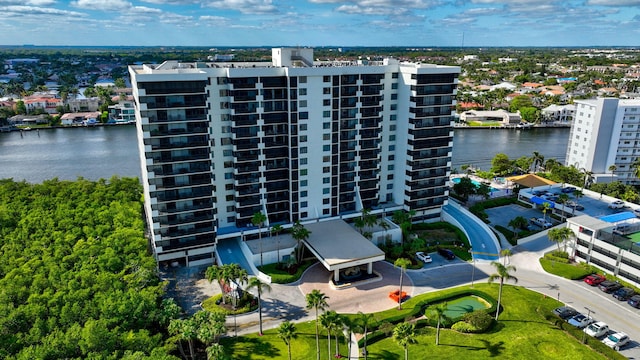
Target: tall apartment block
x=605 y=132
x=295 y=139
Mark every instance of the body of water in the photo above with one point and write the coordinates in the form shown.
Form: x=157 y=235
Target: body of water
x=101 y=152
x=92 y=153
x=477 y=147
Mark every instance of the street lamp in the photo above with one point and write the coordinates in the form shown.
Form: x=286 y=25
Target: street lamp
x=584 y=334
x=473 y=265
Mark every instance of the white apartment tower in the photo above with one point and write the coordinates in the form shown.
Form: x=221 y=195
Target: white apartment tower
x=295 y=139
x=605 y=132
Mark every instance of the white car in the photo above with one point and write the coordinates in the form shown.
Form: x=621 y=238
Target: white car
x=597 y=329
x=580 y=321
x=617 y=340
x=425 y=258
x=541 y=222
x=618 y=204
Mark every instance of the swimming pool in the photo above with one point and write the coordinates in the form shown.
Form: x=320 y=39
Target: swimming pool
x=474 y=182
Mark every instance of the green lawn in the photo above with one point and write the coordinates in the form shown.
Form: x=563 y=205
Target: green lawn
x=523 y=332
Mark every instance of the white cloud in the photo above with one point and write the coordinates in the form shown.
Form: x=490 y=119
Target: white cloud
x=34 y=10
x=244 y=6
x=370 y=10
x=108 y=5
x=614 y=2
x=28 y=2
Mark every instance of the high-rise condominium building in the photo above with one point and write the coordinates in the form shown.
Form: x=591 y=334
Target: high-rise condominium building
x=294 y=139
x=605 y=139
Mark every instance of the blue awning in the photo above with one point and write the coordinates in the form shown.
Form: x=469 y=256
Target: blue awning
x=539 y=201
x=621 y=216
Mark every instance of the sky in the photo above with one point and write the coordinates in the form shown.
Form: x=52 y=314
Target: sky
x=411 y=23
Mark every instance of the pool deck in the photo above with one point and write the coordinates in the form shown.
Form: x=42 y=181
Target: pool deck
x=501 y=186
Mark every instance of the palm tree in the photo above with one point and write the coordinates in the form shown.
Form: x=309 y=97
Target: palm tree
x=277 y=229
x=635 y=166
x=402 y=263
x=505 y=253
x=438 y=313
x=216 y=352
x=258 y=220
x=545 y=207
x=225 y=274
x=560 y=236
x=330 y=321
x=588 y=177
x=502 y=273
x=299 y=233
x=254 y=282
x=577 y=194
x=287 y=332
x=318 y=301
x=365 y=321
x=538 y=159
x=352 y=326
x=184 y=330
x=404 y=334
x=562 y=199
x=613 y=169
x=385 y=226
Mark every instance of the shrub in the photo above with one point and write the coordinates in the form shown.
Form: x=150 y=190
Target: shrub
x=463 y=327
x=479 y=319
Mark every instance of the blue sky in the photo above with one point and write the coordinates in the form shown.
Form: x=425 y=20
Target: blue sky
x=420 y=23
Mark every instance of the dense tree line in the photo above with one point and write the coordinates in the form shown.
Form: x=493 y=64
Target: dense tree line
x=76 y=280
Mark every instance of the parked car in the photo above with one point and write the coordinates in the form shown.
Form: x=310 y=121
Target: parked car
x=617 y=340
x=425 y=258
x=609 y=286
x=637 y=212
x=624 y=294
x=574 y=205
x=446 y=253
x=581 y=320
x=565 y=312
x=597 y=329
x=594 y=279
x=568 y=190
x=634 y=301
x=541 y=222
x=618 y=204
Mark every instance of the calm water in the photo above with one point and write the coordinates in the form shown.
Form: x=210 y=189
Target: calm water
x=478 y=147
x=102 y=152
x=92 y=153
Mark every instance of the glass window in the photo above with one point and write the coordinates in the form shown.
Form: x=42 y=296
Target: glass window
x=303 y=182
x=326 y=180
x=326 y=147
x=303 y=138
x=303 y=150
x=326 y=136
x=302 y=91
x=303 y=204
x=303 y=127
x=326 y=125
x=302 y=79
x=303 y=161
x=326 y=190
x=303 y=193
x=303 y=103
x=303 y=172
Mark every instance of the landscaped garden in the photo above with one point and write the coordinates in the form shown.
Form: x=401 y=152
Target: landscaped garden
x=526 y=329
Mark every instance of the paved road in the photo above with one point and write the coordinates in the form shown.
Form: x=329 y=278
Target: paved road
x=230 y=252
x=484 y=246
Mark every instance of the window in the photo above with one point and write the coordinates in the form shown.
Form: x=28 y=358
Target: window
x=394 y=86
x=392 y=127
x=326 y=125
x=231 y=208
x=394 y=75
x=303 y=172
x=303 y=103
x=326 y=169
x=326 y=78
x=302 y=91
x=303 y=161
x=390 y=177
x=326 y=114
x=303 y=182
x=229 y=198
x=326 y=180
x=226 y=129
x=326 y=201
x=390 y=167
x=228 y=187
x=389 y=186
x=326 y=102
x=227 y=152
x=326 y=136
x=394 y=106
x=303 y=127
x=391 y=157
x=392 y=148
x=326 y=191
x=231 y=219
x=303 y=150
x=326 y=211
x=392 y=138
x=225 y=141
x=302 y=79
x=326 y=147
x=228 y=175
x=303 y=138
x=304 y=115
x=303 y=193
x=394 y=96
x=303 y=204
x=326 y=158
x=393 y=117
x=326 y=90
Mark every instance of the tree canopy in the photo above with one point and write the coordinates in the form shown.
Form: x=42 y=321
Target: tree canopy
x=76 y=280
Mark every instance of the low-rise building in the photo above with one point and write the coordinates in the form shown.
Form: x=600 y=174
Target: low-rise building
x=559 y=113
x=602 y=243
x=502 y=116
x=80 y=119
